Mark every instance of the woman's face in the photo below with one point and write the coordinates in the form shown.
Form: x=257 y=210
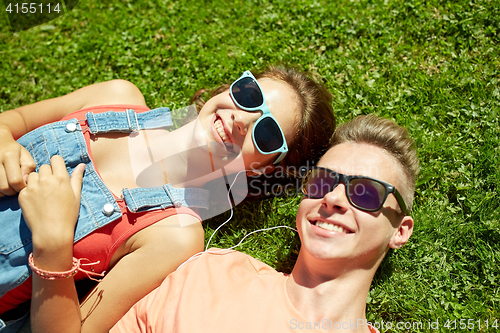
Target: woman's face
x=224 y=123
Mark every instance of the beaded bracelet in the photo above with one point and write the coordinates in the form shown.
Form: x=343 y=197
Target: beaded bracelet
x=48 y=275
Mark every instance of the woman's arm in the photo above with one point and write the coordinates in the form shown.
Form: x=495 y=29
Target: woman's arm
x=15 y=161
x=26 y=118
x=155 y=252
x=50 y=205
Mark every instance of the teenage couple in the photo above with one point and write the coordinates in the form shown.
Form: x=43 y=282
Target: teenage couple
x=349 y=218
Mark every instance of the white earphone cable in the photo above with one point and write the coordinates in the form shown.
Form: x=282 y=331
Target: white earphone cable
x=220 y=226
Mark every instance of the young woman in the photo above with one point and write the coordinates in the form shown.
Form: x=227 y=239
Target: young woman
x=140 y=236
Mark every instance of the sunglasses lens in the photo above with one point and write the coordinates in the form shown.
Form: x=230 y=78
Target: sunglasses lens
x=267 y=135
x=246 y=92
x=318 y=183
x=366 y=193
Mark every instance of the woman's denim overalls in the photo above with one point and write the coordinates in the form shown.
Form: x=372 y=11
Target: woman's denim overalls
x=98 y=206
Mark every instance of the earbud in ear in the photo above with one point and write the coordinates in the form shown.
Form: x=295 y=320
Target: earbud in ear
x=258 y=172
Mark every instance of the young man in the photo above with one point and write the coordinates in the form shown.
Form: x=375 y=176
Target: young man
x=355 y=209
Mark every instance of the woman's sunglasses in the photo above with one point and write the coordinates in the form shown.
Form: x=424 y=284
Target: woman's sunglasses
x=267 y=134
x=364 y=193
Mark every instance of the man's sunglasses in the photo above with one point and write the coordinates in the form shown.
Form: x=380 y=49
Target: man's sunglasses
x=364 y=193
x=267 y=134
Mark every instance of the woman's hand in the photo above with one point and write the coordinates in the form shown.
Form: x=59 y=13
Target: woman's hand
x=51 y=202
x=16 y=164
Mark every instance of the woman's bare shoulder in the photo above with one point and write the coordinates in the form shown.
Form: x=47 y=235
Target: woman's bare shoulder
x=110 y=92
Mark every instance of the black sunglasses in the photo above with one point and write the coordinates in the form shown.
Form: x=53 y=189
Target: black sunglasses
x=365 y=193
x=267 y=134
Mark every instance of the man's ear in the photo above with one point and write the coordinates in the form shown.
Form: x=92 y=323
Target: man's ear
x=402 y=233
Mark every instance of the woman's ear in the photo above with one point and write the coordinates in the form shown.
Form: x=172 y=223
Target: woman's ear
x=257 y=172
x=402 y=233
x=268 y=169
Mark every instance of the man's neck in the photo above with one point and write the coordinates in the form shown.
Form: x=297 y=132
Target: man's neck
x=336 y=295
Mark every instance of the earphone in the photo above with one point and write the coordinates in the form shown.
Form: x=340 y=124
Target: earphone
x=257 y=172
x=229 y=219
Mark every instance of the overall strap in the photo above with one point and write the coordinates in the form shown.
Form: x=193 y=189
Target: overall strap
x=128 y=121
x=161 y=197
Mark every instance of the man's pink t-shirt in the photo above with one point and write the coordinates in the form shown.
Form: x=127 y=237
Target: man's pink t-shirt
x=221 y=292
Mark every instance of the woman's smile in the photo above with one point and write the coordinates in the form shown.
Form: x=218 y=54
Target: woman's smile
x=222 y=134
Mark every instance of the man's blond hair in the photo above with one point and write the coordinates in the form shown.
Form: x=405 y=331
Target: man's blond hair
x=391 y=137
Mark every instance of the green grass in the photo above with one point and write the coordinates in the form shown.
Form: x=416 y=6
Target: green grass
x=432 y=66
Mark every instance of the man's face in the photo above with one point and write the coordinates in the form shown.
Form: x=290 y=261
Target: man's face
x=330 y=228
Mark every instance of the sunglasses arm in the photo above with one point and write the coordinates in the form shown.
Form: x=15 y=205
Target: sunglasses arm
x=401 y=202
